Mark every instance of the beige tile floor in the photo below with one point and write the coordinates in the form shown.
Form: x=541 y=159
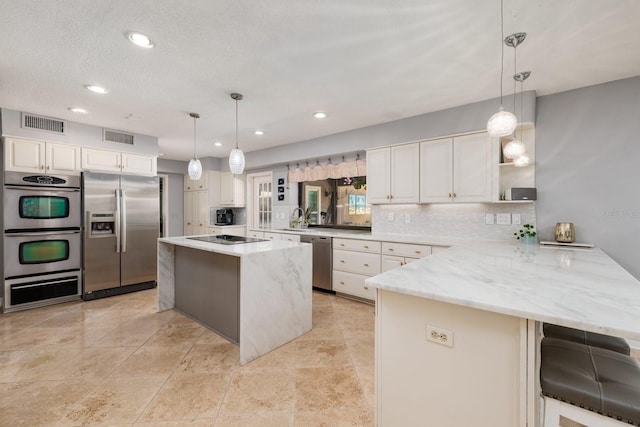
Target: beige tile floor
x=116 y=362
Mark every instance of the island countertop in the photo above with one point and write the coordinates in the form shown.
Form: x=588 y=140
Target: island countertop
x=238 y=250
x=579 y=288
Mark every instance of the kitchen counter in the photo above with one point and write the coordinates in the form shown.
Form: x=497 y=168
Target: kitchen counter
x=579 y=288
x=462 y=328
x=257 y=295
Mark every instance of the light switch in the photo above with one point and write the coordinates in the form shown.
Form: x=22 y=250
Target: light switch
x=515 y=219
x=503 y=218
x=488 y=219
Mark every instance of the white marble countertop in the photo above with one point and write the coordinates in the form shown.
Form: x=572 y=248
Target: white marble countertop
x=238 y=250
x=579 y=288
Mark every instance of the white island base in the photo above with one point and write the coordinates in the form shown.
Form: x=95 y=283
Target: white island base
x=257 y=295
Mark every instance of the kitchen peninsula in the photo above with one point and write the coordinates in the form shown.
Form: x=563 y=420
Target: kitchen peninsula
x=256 y=294
x=458 y=333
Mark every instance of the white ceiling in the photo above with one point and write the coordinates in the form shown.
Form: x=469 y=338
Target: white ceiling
x=362 y=61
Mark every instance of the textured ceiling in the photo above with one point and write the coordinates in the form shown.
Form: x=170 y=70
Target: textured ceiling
x=362 y=61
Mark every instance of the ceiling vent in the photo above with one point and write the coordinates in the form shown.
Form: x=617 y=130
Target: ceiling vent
x=119 y=137
x=47 y=124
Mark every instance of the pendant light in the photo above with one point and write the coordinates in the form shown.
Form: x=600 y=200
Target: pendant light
x=515 y=148
x=236 y=158
x=502 y=123
x=195 y=167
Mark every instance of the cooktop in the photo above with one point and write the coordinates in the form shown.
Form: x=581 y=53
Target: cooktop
x=227 y=239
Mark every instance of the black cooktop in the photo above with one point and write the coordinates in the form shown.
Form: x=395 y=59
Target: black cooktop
x=227 y=239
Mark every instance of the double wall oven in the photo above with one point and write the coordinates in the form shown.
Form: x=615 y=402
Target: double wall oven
x=42 y=240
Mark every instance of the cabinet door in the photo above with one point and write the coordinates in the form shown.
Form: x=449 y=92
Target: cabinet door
x=23 y=155
x=378 y=176
x=405 y=173
x=232 y=190
x=188 y=183
x=390 y=262
x=436 y=175
x=191 y=213
x=138 y=164
x=472 y=168
x=101 y=160
x=63 y=159
x=202 y=211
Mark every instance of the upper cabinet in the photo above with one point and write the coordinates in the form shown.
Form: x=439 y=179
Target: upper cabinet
x=114 y=161
x=24 y=155
x=394 y=174
x=232 y=190
x=459 y=169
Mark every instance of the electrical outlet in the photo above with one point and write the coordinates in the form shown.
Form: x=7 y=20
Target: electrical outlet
x=390 y=217
x=407 y=219
x=439 y=335
x=488 y=219
x=515 y=219
x=503 y=218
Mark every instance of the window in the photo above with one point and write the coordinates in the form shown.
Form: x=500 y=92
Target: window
x=263 y=208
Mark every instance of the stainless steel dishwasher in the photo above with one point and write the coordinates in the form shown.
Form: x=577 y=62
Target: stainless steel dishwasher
x=321 y=260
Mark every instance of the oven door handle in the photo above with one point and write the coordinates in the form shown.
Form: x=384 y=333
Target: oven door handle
x=42 y=233
x=39 y=284
x=56 y=189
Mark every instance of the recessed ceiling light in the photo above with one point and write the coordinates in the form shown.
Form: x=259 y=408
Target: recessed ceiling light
x=258 y=132
x=218 y=144
x=319 y=115
x=78 y=110
x=140 y=39
x=160 y=154
x=132 y=116
x=96 y=89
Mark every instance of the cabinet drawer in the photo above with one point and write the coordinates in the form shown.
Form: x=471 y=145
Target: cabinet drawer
x=405 y=249
x=356 y=262
x=272 y=236
x=435 y=249
x=352 y=284
x=357 y=245
x=290 y=237
x=256 y=234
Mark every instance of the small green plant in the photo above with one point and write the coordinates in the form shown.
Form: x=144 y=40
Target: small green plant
x=526 y=230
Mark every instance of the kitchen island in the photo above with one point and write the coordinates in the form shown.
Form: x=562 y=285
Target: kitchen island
x=257 y=295
x=458 y=333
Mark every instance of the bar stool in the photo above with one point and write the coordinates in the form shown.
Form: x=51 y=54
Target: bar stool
x=619 y=345
x=590 y=385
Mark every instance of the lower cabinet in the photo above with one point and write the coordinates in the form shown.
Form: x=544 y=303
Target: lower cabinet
x=233 y=230
x=354 y=261
x=396 y=255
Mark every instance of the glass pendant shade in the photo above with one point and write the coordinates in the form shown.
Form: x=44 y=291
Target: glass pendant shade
x=521 y=161
x=236 y=161
x=195 y=169
x=502 y=123
x=514 y=149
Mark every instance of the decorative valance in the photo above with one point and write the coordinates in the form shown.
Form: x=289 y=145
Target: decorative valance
x=335 y=171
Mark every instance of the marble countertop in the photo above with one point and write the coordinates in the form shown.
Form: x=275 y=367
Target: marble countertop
x=238 y=250
x=579 y=288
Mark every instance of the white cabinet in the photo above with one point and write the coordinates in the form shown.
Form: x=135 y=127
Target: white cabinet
x=23 y=155
x=354 y=261
x=232 y=190
x=256 y=234
x=199 y=197
x=98 y=160
x=270 y=235
x=458 y=169
x=196 y=213
x=396 y=255
x=394 y=174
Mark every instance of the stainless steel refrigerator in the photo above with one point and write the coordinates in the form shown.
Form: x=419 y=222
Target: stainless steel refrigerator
x=121 y=226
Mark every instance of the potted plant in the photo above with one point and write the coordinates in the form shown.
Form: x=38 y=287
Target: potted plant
x=527 y=233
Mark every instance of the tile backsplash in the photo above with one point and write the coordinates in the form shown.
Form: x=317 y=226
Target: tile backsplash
x=451 y=220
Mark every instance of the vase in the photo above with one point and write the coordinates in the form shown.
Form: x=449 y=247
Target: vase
x=529 y=240
x=565 y=232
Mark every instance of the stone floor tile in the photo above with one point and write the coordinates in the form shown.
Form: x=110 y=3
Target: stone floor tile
x=257 y=392
x=318 y=353
x=343 y=417
x=357 y=327
x=366 y=375
x=174 y=334
x=151 y=361
x=268 y=420
x=206 y=358
x=325 y=388
x=362 y=351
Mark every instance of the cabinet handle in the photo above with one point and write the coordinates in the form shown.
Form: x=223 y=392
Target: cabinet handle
x=341 y=244
x=387 y=197
x=449 y=195
x=342 y=283
x=342 y=261
x=391 y=196
x=454 y=195
x=417 y=252
x=366 y=247
x=188 y=188
x=200 y=225
x=390 y=249
x=41 y=166
x=366 y=265
x=366 y=287
x=201 y=186
x=47 y=167
x=188 y=223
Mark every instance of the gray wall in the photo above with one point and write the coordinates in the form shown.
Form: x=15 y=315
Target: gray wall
x=77 y=134
x=176 y=205
x=465 y=118
x=588 y=167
